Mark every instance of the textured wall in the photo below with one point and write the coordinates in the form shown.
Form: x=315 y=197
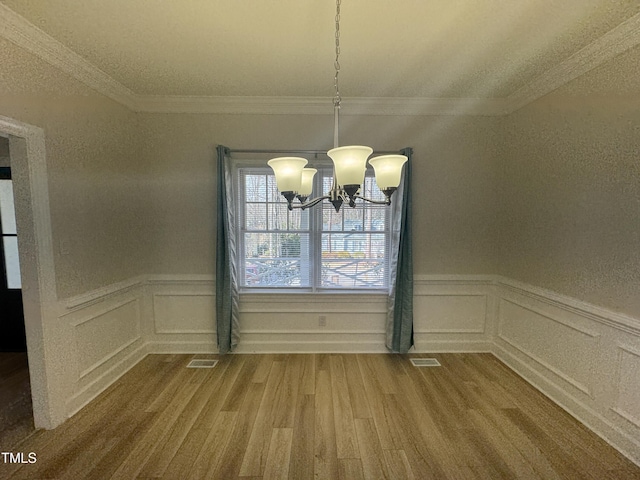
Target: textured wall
x=570 y=199
x=453 y=180
x=91 y=162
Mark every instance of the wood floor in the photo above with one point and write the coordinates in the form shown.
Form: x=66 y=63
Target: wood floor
x=16 y=413
x=321 y=416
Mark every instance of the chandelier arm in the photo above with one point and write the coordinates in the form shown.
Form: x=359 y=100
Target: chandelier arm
x=386 y=201
x=307 y=204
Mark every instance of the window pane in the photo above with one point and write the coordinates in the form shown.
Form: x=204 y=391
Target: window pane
x=375 y=218
x=7 y=210
x=354 y=218
x=256 y=188
x=273 y=194
x=256 y=216
x=353 y=260
x=278 y=216
x=299 y=219
x=276 y=259
x=12 y=262
x=330 y=219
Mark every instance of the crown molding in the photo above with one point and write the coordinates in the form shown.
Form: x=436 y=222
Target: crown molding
x=24 y=34
x=21 y=32
x=611 y=44
x=320 y=105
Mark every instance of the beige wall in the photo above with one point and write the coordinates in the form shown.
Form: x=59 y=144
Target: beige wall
x=91 y=163
x=453 y=180
x=570 y=199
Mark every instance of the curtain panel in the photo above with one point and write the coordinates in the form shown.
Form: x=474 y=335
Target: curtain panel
x=399 y=327
x=227 y=298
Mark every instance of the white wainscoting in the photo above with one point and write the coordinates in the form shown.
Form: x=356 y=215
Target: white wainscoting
x=106 y=338
x=585 y=358
x=451 y=314
x=182 y=314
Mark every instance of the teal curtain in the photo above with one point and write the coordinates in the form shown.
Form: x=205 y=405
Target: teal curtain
x=227 y=324
x=400 y=302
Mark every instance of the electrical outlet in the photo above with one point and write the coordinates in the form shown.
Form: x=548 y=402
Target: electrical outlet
x=322 y=321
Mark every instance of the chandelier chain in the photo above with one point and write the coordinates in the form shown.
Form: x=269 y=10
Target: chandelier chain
x=337 y=99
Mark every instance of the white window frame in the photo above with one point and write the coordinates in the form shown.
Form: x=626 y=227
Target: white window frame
x=315 y=237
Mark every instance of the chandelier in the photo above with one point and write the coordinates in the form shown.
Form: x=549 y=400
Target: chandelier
x=295 y=181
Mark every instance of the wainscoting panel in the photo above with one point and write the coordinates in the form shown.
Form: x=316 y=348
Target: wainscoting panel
x=452 y=313
x=627 y=385
x=101 y=337
x=583 y=357
x=184 y=312
x=564 y=349
x=106 y=330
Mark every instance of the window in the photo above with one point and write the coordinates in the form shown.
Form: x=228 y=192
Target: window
x=311 y=250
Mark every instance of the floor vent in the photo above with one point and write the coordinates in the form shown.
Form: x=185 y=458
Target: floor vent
x=202 y=363
x=425 y=362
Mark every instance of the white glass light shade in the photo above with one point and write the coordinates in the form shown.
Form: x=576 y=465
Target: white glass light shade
x=307 y=182
x=288 y=172
x=350 y=163
x=388 y=169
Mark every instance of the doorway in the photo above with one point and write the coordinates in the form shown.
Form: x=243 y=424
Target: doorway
x=16 y=412
x=37 y=273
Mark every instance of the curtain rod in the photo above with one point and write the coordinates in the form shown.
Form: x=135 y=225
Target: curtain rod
x=303 y=152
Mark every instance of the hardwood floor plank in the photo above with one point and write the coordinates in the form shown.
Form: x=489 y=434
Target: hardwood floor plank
x=257 y=448
x=308 y=373
x=233 y=399
x=398 y=465
x=371 y=456
x=235 y=449
x=390 y=437
x=357 y=392
x=264 y=367
x=350 y=469
x=284 y=411
x=279 y=455
x=326 y=458
x=302 y=450
x=346 y=439
x=212 y=451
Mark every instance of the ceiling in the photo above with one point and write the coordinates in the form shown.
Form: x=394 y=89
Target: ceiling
x=441 y=50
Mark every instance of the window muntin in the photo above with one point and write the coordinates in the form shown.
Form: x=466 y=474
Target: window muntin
x=311 y=250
